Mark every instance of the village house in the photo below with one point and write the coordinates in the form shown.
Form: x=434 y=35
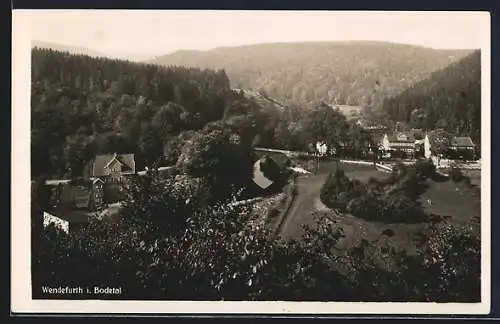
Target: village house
x=113 y=166
x=110 y=169
x=77 y=199
x=462 y=147
x=77 y=194
x=401 y=145
x=73 y=202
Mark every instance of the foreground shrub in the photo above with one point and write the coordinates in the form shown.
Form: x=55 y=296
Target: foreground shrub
x=394 y=208
x=366 y=207
x=451 y=263
x=339 y=190
x=215 y=256
x=446 y=268
x=271 y=169
x=170 y=247
x=399 y=208
x=425 y=168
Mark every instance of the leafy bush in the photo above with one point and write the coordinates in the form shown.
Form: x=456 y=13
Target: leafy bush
x=391 y=200
x=425 y=168
x=451 y=263
x=446 y=268
x=338 y=190
x=365 y=207
x=281 y=160
x=112 y=192
x=393 y=208
x=270 y=168
x=399 y=208
x=80 y=182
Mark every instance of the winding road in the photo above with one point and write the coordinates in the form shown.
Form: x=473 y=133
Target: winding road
x=306 y=201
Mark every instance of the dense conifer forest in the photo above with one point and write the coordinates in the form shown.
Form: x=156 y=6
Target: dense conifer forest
x=448 y=99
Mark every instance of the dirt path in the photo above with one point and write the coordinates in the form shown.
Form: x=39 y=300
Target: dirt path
x=306 y=201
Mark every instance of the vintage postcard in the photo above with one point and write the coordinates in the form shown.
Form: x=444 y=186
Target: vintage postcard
x=258 y=162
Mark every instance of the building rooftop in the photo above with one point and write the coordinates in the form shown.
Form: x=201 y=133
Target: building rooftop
x=401 y=137
x=462 y=141
x=102 y=161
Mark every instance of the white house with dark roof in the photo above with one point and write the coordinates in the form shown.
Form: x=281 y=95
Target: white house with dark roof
x=462 y=143
x=462 y=147
x=400 y=142
x=112 y=165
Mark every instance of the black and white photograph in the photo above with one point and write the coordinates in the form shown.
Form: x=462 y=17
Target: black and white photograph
x=276 y=159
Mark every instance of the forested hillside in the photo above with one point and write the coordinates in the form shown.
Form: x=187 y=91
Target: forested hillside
x=448 y=99
x=352 y=73
x=82 y=106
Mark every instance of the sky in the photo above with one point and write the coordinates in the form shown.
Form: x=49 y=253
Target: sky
x=153 y=33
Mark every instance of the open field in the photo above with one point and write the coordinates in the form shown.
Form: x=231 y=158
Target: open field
x=452 y=199
x=455 y=202
x=309 y=187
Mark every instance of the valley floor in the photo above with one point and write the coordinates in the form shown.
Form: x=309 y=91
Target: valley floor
x=453 y=202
